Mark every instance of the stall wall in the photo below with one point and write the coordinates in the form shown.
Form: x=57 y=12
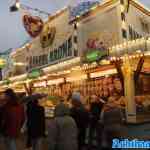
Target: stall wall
x=102 y=27
x=138 y=21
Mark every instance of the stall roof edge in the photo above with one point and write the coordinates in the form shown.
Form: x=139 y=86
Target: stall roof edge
x=109 y=3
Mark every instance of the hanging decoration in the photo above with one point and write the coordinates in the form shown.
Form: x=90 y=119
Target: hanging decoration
x=47 y=36
x=33 y=25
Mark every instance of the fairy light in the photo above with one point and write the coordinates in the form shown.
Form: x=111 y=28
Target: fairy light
x=130 y=56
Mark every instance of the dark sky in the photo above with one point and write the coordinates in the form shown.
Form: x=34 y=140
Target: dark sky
x=12 y=33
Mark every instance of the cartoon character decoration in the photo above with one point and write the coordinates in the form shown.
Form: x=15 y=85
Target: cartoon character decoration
x=47 y=36
x=95 y=44
x=33 y=25
x=100 y=40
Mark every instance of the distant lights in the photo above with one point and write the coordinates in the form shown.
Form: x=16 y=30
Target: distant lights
x=127 y=56
x=94 y=7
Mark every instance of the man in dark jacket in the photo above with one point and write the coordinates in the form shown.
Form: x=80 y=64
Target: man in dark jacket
x=95 y=111
x=81 y=117
x=35 y=124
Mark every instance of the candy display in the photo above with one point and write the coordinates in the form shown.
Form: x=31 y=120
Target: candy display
x=104 y=86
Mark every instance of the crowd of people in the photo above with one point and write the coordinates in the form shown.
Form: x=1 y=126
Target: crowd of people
x=73 y=127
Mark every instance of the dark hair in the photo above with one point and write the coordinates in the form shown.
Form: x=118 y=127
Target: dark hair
x=13 y=99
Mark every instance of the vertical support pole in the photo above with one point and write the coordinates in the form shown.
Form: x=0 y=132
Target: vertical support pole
x=129 y=88
x=1 y=77
x=75 y=40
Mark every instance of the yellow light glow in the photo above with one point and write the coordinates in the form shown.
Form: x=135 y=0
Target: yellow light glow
x=55 y=81
x=18 y=5
x=124 y=25
x=18 y=78
x=93 y=8
x=40 y=84
x=19 y=64
x=103 y=73
x=122 y=8
x=134 y=56
x=61 y=65
x=76 y=78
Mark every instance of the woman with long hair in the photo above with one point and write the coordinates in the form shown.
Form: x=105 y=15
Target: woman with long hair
x=13 y=119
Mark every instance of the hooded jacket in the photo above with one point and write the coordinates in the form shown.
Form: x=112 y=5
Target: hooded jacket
x=62 y=130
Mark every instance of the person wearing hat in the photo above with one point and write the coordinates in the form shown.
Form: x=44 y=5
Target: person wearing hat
x=112 y=118
x=62 y=130
x=81 y=117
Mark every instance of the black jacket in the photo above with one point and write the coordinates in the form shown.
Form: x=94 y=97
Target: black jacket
x=95 y=112
x=35 y=121
x=1 y=120
x=81 y=117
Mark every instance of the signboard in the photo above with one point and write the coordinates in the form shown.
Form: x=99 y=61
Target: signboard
x=94 y=55
x=96 y=49
x=34 y=74
x=33 y=25
x=63 y=51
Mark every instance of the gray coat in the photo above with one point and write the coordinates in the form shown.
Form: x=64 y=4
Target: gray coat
x=62 y=130
x=113 y=127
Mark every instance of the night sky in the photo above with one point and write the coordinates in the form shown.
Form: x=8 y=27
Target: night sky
x=12 y=33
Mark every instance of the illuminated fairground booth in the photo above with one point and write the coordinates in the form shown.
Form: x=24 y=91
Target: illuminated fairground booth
x=91 y=54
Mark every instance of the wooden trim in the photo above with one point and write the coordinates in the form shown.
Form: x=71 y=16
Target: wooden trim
x=51 y=18
x=109 y=3
x=138 y=6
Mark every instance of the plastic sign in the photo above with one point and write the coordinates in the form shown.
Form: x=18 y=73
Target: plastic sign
x=34 y=74
x=33 y=25
x=94 y=55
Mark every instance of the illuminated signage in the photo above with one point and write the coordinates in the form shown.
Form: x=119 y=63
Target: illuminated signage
x=94 y=55
x=34 y=73
x=63 y=51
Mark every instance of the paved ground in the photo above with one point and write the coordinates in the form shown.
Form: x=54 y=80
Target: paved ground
x=21 y=144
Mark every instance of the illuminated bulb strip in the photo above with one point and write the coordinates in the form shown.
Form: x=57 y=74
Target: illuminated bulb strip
x=62 y=65
x=78 y=78
x=103 y=73
x=94 y=7
x=40 y=84
x=129 y=56
x=18 y=78
x=56 y=81
x=133 y=45
x=147 y=53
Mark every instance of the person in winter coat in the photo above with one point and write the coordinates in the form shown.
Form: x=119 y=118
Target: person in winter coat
x=13 y=119
x=35 y=124
x=2 y=104
x=62 y=130
x=112 y=118
x=81 y=117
